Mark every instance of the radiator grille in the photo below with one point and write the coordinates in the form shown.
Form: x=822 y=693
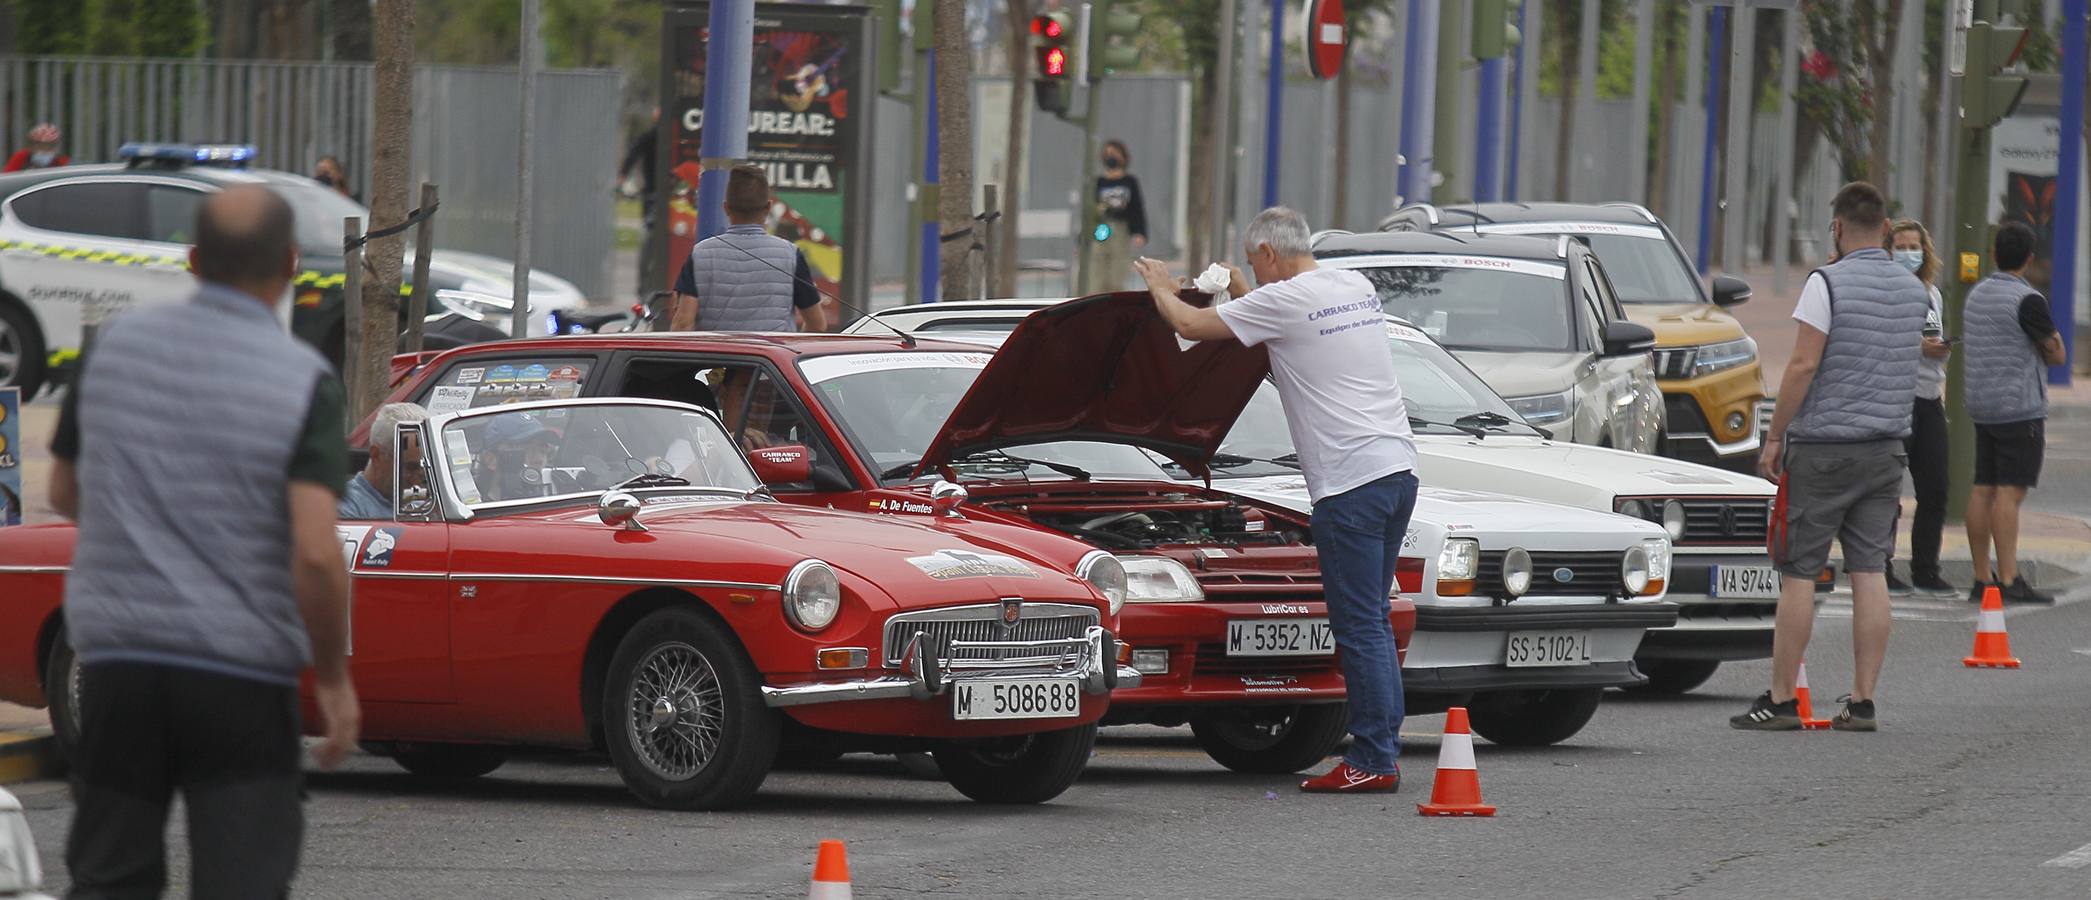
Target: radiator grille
x=1741 y=521
x=1593 y=573
x=1037 y=622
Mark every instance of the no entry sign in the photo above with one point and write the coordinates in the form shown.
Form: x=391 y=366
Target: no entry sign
x=1326 y=36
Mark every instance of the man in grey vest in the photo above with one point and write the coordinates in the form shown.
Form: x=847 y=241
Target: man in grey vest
x=2011 y=340
x=746 y=279
x=201 y=452
x=1836 y=449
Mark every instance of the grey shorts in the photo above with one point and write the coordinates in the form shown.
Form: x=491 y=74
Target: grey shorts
x=1847 y=492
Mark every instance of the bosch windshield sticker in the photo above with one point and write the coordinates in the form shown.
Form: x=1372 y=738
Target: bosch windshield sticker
x=472 y=375
x=450 y=399
x=534 y=374
x=1451 y=261
x=1649 y=232
x=1405 y=332
x=825 y=368
x=377 y=551
x=945 y=565
x=501 y=375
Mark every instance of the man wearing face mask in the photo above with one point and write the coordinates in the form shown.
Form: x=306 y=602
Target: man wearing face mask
x=42 y=152
x=1123 y=211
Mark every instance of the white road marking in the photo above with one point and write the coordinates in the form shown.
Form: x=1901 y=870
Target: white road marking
x=2074 y=859
x=2083 y=650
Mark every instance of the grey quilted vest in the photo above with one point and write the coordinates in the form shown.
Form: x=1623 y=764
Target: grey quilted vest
x=744 y=280
x=189 y=415
x=1867 y=383
x=2006 y=380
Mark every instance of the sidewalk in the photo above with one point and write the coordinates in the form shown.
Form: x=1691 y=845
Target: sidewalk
x=27 y=750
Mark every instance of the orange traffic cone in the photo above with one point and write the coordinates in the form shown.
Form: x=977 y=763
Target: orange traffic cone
x=1456 y=791
x=1800 y=694
x=1992 y=645
x=830 y=873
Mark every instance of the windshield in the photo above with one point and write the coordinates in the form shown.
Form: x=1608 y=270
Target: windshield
x=893 y=404
x=1437 y=389
x=1645 y=270
x=1516 y=308
x=532 y=455
x=317 y=212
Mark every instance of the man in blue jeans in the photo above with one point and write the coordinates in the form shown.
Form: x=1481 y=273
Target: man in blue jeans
x=1328 y=349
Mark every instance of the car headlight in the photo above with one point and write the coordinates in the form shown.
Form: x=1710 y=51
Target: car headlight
x=1633 y=569
x=1458 y=562
x=1544 y=409
x=1107 y=574
x=1673 y=519
x=812 y=595
x=1517 y=571
x=1158 y=579
x=1712 y=358
x=1658 y=551
x=1635 y=508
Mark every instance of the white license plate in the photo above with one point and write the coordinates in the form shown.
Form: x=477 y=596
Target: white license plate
x=1745 y=582
x=1546 y=648
x=1027 y=698
x=1280 y=637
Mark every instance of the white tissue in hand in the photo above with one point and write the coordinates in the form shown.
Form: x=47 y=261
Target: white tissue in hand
x=1214 y=279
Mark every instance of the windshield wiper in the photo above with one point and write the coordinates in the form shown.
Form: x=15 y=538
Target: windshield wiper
x=1493 y=419
x=1075 y=472
x=1236 y=460
x=651 y=479
x=1462 y=426
x=905 y=468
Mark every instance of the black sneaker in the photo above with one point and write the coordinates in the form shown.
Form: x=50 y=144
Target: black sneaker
x=1896 y=586
x=1975 y=593
x=1932 y=584
x=1857 y=716
x=1764 y=715
x=2021 y=592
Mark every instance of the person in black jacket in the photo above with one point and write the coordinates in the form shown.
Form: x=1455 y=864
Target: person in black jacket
x=1123 y=211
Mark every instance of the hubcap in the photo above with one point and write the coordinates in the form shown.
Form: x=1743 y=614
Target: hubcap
x=675 y=711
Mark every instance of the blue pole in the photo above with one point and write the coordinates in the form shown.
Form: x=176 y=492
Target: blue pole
x=724 y=140
x=1273 y=101
x=1488 y=159
x=1419 y=91
x=2061 y=291
x=1517 y=108
x=932 y=247
x=1716 y=35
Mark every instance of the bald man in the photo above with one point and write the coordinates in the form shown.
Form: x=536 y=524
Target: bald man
x=201 y=453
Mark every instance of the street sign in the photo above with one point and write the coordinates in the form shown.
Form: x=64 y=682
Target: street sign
x=1327 y=37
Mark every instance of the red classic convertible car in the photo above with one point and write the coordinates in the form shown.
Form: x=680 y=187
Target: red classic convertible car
x=1224 y=615
x=569 y=573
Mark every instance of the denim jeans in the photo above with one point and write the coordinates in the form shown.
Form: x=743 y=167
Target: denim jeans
x=1358 y=534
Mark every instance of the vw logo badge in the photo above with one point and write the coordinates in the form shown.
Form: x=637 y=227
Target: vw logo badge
x=1728 y=521
x=1564 y=575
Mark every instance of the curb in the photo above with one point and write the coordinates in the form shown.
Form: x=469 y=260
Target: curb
x=28 y=756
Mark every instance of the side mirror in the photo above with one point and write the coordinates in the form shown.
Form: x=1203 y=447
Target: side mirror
x=1627 y=339
x=946 y=496
x=413 y=500
x=788 y=464
x=619 y=509
x=1729 y=290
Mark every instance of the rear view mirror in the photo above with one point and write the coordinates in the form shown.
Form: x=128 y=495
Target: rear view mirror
x=787 y=464
x=413 y=498
x=1627 y=339
x=1729 y=290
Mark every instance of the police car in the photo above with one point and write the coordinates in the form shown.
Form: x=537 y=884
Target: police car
x=81 y=243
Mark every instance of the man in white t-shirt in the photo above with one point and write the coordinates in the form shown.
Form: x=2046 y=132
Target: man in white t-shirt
x=1328 y=350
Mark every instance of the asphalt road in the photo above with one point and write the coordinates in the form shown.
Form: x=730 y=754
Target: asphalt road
x=1973 y=788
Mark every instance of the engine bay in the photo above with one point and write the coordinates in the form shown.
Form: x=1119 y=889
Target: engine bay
x=1172 y=520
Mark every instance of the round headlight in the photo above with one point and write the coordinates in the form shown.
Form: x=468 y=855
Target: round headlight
x=1634 y=508
x=1633 y=570
x=1517 y=571
x=812 y=595
x=1105 y=573
x=1673 y=519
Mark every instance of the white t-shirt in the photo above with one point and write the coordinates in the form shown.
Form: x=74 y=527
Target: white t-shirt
x=1329 y=356
x=1814 y=306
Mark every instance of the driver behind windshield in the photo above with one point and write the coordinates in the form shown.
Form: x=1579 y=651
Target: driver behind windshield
x=515 y=451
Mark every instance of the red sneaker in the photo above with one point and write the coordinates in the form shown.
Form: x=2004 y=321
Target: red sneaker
x=1344 y=779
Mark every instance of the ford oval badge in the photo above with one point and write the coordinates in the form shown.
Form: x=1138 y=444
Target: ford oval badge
x=1564 y=575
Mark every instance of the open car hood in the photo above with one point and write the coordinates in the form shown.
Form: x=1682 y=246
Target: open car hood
x=1104 y=368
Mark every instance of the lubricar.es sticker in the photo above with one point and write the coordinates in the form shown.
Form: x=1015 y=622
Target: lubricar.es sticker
x=944 y=565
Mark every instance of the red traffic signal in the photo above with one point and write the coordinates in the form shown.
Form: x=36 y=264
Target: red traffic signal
x=1048 y=27
x=1052 y=62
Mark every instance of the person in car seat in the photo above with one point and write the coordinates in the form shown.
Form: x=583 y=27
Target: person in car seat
x=517 y=448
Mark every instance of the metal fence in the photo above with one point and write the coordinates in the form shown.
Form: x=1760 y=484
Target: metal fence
x=464 y=134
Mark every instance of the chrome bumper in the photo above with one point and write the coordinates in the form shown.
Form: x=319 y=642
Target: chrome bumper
x=930 y=671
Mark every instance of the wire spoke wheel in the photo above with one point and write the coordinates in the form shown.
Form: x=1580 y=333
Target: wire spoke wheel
x=675 y=711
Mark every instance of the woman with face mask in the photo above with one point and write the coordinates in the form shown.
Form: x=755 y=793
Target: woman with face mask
x=1910 y=245
x=42 y=152
x=1122 y=214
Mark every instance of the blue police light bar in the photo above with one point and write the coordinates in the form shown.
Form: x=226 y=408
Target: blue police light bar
x=235 y=156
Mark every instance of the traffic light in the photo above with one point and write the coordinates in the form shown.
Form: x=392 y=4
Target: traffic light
x=1986 y=94
x=1050 y=33
x=1488 y=42
x=1112 y=28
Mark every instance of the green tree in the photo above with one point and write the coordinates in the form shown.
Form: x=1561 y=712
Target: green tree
x=51 y=27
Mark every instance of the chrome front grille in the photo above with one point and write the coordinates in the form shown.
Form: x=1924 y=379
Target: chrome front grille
x=1738 y=521
x=1589 y=574
x=1035 y=622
